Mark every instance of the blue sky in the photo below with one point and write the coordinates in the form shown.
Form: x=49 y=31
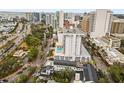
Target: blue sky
x=115 y=11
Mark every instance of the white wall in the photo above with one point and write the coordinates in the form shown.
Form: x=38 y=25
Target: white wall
x=61 y=19
x=101 y=24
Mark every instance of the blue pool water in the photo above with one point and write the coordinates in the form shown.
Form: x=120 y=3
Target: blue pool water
x=59 y=50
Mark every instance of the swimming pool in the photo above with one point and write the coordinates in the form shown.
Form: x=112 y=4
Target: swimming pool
x=59 y=50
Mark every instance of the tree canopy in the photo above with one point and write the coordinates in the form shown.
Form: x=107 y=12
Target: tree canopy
x=117 y=73
x=32 y=41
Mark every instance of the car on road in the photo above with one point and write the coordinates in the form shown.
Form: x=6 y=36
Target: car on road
x=19 y=72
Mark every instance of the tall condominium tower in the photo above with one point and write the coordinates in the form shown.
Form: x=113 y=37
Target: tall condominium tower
x=60 y=19
x=70 y=47
x=100 y=23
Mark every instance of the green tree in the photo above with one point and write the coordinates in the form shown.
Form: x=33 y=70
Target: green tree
x=22 y=78
x=31 y=70
x=33 y=79
x=117 y=73
x=63 y=76
x=32 y=54
x=103 y=80
x=32 y=41
x=9 y=66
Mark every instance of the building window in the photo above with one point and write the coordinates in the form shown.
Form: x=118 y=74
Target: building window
x=57 y=57
x=77 y=59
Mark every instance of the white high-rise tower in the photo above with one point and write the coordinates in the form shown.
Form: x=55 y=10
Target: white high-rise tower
x=100 y=23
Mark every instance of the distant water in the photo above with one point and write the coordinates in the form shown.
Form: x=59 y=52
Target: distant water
x=12 y=14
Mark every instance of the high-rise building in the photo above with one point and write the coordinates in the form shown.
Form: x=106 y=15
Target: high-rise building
x=85 y=23
x=70 y=47
x=100 y=23
x=69 y=16
x=48 y=19
x=51 y=20
x=36 y=17
x=54 y=21
x=117 y=26
x=60 y=19
x=77 y=17
x=29 y=16
x=43 y=17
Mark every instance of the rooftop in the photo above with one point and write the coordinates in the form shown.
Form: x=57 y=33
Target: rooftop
x=65 y=62
x=110 y=37
x=99 y=42
x=19 y=53
x=84 y=52
x=90 y=73
x=119 y=20
x=114 y=56
x=72 y=31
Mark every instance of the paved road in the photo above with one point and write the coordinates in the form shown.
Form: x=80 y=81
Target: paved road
x=17 y=42
x=20 y=37
x=38 y=62
x=100 y=64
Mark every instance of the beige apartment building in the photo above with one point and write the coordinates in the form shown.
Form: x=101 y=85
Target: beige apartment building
x=117 y=26
x=85 y=24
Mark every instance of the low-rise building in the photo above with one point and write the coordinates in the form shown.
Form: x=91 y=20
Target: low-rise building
x=107 y=42
x=117 y=26
x=114 y=42
x=64 y=64
x=20 y=54
x=114 y=56
x=87 y=75
x=46 y=71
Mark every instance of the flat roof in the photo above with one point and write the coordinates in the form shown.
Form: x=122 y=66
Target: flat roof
x=115 y=55
x=90 y=73
x=118 y=20
x=84 y=52
x=65 y=62
x=111 y=37
x=99 y=42
x=118 y=35
x=72 y=31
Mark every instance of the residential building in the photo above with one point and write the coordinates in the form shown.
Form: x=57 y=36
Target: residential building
x=45 y=71
x=113 y=41
x=69 y=16
x=70 y=48
x=60 y=19
x=29 y=16
x=85 y=23
x=117 y=26
x=100 y=23
x=36 y=17
x=87 y=75
x=43 y=17
x=48 y=19
x=20 y=54
x=107 y=42
x=77 y=17
x=114 y=56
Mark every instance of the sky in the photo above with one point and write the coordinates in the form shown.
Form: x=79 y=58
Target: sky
x=115 y=11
